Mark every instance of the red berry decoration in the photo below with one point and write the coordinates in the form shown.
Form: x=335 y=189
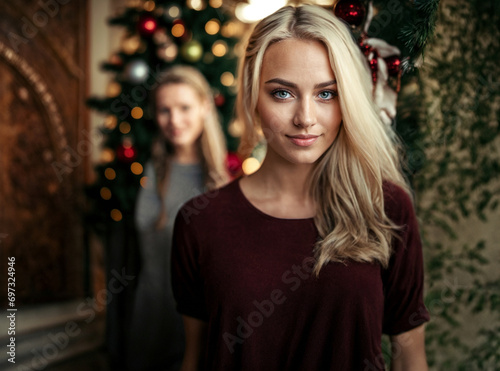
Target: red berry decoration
x=366 y=49
x=219 y=100
x=393 y=65
x=374 y=68
x=351 y=11
x=126 y=153
x=147 y=25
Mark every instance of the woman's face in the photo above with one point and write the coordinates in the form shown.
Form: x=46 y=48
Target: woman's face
x=180 y=114
x=298 y=104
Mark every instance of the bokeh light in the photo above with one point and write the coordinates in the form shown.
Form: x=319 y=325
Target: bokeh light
x=116 y=215
x=110 y=173
x=136 y=168
x=250 y=165
x=137 y=113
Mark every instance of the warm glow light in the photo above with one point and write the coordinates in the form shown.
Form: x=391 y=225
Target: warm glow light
x=215 y=3
x=236 y=129
x=136 y=168
x=116 y=215
x=149 y=6
x=110 y=122
x=113 y=89
x=109 y=173
x=137 y=113
x=178 y=30
x=257 y=9
x=229 y=29
x=196 y=4
x=105 y=193
x=107 y=155
x=174 y=11
x=171 y=52
x=325 y=2
x=250 y=165
x=212 y=26
x=131 y=44
x=219 y=49
x=125 y=127
x=143 y=181
x=227 y=79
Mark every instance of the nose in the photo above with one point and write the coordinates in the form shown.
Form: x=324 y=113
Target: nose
x=305 y=115
x=174 y=118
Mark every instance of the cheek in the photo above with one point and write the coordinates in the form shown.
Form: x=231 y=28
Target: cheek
x=334 y=130
x=197 y=122
x=272 y=120
x=162 y=121
x=201 y=118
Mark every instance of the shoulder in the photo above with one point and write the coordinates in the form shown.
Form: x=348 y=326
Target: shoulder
x=211 y=205
x=398 y=204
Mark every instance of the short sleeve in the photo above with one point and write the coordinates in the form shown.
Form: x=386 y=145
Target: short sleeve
x=404 y=307
x=187 y=282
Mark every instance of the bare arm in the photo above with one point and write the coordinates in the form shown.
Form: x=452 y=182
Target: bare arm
x=196 y=331
x=409 y=351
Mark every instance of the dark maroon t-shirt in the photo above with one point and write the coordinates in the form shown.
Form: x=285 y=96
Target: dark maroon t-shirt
x=248 y=275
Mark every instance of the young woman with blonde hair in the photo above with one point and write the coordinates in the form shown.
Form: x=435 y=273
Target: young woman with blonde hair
x=188 y=158
x=304 y=264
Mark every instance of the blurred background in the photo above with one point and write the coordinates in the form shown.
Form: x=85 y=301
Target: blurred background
x=75 y=133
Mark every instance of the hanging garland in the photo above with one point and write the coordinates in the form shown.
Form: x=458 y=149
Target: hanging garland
x=384 y=59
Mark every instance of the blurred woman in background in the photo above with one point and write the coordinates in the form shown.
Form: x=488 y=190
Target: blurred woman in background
x=188 y=158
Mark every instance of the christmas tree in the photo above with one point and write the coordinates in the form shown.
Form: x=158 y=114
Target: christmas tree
x=157 y=35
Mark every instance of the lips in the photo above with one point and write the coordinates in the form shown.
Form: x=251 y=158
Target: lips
x=303 y=140
x=175 y=132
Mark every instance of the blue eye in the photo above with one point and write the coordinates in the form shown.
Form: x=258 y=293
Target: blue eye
x=327 y=94
x=281 y=94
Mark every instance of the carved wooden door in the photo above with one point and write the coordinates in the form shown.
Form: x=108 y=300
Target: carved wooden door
x=43 y=148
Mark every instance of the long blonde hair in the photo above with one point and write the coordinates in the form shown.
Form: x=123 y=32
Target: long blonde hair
x=346 y=182
x=211 y=144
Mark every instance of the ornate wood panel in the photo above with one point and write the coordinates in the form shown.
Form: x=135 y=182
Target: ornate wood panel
x=43 y=147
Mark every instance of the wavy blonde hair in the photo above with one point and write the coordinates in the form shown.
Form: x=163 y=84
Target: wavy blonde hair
x=347 y=180
x=211 y=144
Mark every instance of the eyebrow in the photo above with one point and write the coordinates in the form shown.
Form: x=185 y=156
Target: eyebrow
x=293 y=85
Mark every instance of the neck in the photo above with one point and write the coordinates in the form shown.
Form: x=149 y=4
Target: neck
x=186 y=155
x=284 y=178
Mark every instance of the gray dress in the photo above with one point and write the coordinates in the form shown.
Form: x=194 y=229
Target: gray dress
x=156 y=340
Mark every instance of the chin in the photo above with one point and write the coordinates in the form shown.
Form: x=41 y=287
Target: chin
x=304 y=160
x=177 y=141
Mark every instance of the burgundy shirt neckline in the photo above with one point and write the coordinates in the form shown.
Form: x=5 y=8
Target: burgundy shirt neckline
x=256 y=210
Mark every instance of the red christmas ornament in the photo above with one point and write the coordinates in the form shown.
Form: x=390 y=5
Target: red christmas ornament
x=126 y=153
x=351 y=11
x=393 y=65
x=233 y=163
x=147 y=25
x=219 y=100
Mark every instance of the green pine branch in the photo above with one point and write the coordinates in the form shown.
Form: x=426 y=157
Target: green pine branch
x=416 y=35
